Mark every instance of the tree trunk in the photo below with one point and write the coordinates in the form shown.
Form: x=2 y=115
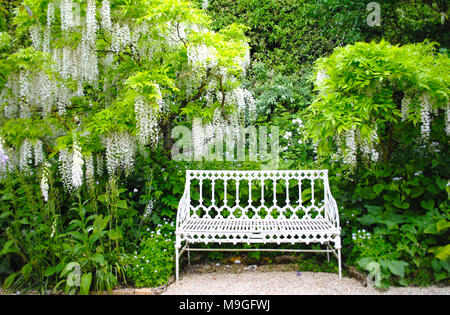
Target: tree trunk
x=166 y=128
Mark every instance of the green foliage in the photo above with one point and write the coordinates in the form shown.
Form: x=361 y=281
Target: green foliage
x=400 y=214
x=153 y=262
x=289 y=34
x=120 y=231
x=363 y=87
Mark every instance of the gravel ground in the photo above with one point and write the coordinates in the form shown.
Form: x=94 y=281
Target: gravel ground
x=265 y=280
x=256 y=282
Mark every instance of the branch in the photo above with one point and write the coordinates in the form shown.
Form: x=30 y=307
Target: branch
x=185 y=102
x=61 y=121
x=178 y=33
x=123 y=52
x=199 y=92
x=222 y=105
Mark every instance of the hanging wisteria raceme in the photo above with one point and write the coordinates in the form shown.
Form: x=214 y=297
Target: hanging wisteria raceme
x=198 y=139
x=63 y=100
x=38 y=152
x=89 y=174
x=91 y=23
x=99 y=170
x=50 y=14
x=201 y=57
x=245 y=103
x=367 y=146
x=4 y=159
x=24 y=90
x=205 y=135
x=35 y=35
x=44 y=180
x=71 y=167
x=65 y=168
x=425 y=112
x=26 y=156
x=77 y=165
x=105 y=16
x=320 y=79
x=147 y=122
x=88 y=58
x=350 y=151
x=120 y=151
x=121 y=37
x=66 y=62
x=205 y=4
x=406 y=102
x=67 y=16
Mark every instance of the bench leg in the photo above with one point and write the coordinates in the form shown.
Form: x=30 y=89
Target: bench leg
x=189 y=255
x=339 y=262
x=328 y=254
x=177 y=260
x=337 y=246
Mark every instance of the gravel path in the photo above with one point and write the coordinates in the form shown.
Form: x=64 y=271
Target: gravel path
x=254 y=282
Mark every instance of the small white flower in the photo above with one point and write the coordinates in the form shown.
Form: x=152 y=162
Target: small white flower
x=287 y=135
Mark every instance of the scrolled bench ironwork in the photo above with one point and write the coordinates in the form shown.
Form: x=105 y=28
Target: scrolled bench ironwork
x=291 y=207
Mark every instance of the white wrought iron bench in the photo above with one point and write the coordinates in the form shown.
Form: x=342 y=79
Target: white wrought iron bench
x=291 y=207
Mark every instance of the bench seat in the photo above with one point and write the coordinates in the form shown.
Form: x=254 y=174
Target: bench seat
x=247 y=230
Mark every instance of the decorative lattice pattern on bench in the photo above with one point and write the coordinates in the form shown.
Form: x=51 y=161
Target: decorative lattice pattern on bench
x=257 y=207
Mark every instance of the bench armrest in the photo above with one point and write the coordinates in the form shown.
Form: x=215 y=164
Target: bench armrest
x=183 y=206
x=331 y=209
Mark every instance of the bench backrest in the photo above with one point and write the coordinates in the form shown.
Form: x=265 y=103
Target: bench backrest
x=257 y=194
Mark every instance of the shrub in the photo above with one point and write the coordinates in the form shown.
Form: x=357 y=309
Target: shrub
x=153 y=261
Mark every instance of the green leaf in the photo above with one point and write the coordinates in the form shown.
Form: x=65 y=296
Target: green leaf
x=436 y=265
x=26 y=271
x=98 y=258
x=434 y=189
x=100 y=223
x=441 y=182
x=430 y=229
x=122 y=204
x=368 y=193
x=102 y=198
x=442 y=252
x=50 y=271
x=363 y=262
x=411 y=237
x=85 y=284
x=427 y=204
x=9 y=280
x=115 y=234
x=442 y=225
x=446 y=264
x=417 y=191
x=378 y=188
x=400 y=204
x=8 y=248
x=397 y=267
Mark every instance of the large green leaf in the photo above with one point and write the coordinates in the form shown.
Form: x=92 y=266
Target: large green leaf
x=397 y=267
x=85 y=283
x=378 y=188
